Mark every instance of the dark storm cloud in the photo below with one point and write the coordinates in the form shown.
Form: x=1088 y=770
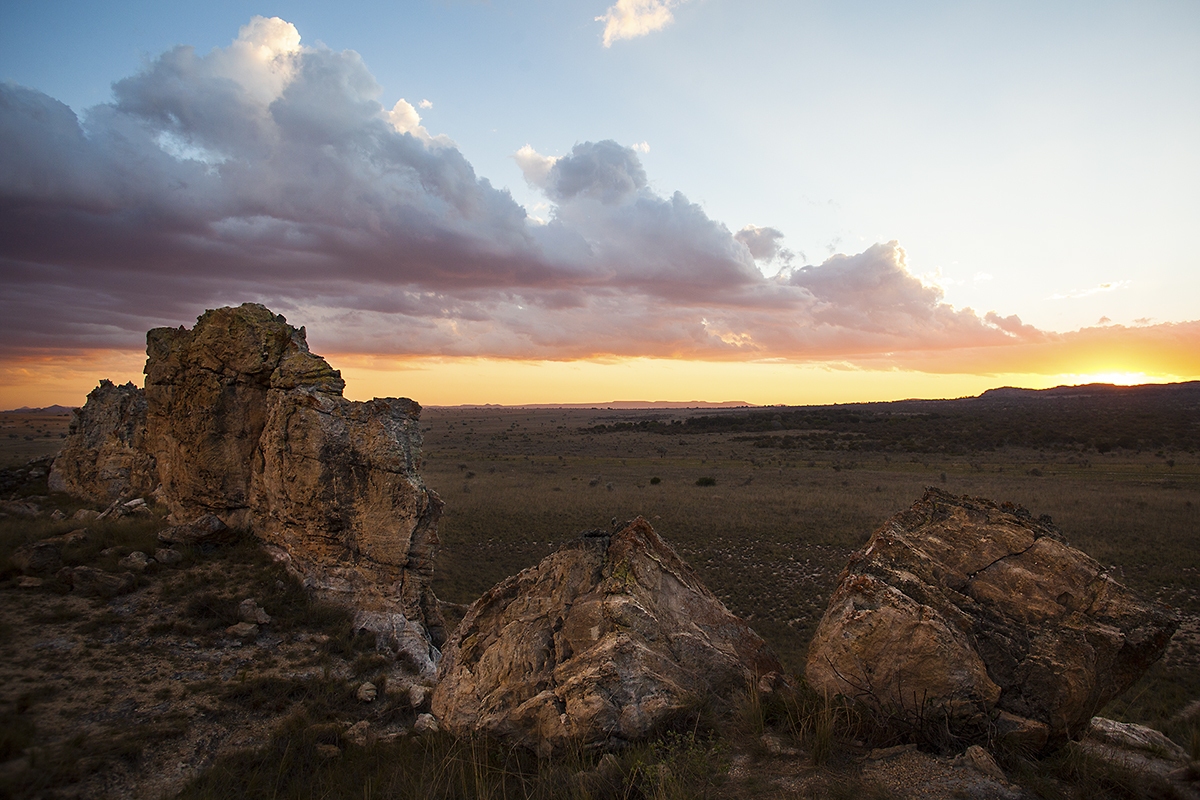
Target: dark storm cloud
x=269 y=171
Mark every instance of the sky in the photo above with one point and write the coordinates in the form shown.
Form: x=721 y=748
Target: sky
x=538 y=201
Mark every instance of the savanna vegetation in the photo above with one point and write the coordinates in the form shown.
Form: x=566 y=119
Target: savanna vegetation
x=766 y=504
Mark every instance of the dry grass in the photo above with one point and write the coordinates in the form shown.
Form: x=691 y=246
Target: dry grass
x=768 y=535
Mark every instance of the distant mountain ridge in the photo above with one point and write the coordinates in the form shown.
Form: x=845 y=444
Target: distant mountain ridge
x=55 y=410
x=618 y=404
x=1093 y=389
x=1097 y=417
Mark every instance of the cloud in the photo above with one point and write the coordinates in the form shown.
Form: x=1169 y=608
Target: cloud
x=534 y=166
x=603 y=171
x=641 y=147
x=425 y=104
x=630 y=19
x=270 y=171
x=763 y=243
x=1075 y=294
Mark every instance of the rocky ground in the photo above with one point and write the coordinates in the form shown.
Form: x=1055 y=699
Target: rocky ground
x=143 y=685
x=130 y=688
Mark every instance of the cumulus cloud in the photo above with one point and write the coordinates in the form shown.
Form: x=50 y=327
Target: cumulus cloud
x=270 y=170
x=629 y=19
x=763 y=243
x=603 y=171
x=534 y=166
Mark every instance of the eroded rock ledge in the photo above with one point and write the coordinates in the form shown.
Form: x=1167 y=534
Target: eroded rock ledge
x=976 y=619
x=602 y=642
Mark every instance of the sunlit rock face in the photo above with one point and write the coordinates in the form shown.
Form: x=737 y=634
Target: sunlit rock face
x=964 y=617
x=207 y=397
x=248 y=425
x=600 y=643
x=104 y=456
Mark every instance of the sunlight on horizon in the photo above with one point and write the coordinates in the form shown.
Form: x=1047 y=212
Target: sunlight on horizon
x=1118 y=378
x=41 y=382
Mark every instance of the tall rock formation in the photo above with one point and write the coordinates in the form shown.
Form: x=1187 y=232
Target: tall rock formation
x=600 y=643
x=207 y=400
x=966 y=616
x=248 y=425
x=104 y=456
x=335 y=485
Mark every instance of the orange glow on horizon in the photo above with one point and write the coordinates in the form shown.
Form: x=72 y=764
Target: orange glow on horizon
x=48 y=379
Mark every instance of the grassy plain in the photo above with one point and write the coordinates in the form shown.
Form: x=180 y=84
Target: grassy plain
x=772 y=533
x=28 y=436
x=767 y=521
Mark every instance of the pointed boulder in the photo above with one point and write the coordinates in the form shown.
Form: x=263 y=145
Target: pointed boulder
x=604 y=641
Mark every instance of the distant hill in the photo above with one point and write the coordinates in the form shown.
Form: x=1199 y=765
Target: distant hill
x=1098 y=417
x=54 y=411
x=622 y=404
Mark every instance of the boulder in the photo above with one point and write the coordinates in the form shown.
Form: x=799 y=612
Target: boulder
x=137 y=561
x=241 y=427
x=104 y=456
x=338 y=490
x=1162 y=767
x=44 y=556
x=168 y=556
x=205 y=529
x=97 y=583
x=972 y=618
x=250 y=611
x=604 y=641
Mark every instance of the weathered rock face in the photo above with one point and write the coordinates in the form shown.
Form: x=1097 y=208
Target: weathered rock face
x=336 y=486
x=104 y=457
x=963 y=612
x=602 y=641
x=248 y=426
x=206 y=393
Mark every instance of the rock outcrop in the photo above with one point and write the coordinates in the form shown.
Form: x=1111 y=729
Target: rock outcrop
x=248 y=426
x=104 y=456
x=973 y=618
x=601 y=642
x=336 y=486
x=243 y=428
x=207 y=404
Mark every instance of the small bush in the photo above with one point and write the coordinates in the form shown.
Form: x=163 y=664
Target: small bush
x=655 y=481
x=706 y=481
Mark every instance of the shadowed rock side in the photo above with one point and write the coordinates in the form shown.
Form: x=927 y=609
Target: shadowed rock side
x=104 y=456
x=336 y=486
x=601 y=642
x=971 y=616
